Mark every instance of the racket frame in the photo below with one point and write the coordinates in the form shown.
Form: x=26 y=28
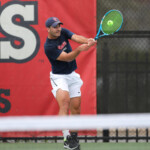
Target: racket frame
x=100 y=28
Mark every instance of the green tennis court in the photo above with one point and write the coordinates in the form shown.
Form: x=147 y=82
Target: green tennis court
x=84 y=146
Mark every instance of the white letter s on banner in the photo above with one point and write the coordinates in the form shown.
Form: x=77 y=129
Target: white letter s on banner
x=20 y=31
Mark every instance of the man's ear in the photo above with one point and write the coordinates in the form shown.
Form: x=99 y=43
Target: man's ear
x=48 y=29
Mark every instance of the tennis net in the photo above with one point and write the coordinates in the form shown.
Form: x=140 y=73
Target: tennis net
x=51 y=123
x=120 y=131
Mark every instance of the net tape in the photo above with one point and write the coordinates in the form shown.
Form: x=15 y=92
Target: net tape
x=82 y=122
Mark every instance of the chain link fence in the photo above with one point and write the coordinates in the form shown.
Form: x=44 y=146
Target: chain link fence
x=135 y=13
x=123 y=65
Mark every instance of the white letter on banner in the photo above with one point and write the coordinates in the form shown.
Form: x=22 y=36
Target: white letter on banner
x=28 y=37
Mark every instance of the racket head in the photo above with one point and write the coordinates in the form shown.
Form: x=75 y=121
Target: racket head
x=111 y=22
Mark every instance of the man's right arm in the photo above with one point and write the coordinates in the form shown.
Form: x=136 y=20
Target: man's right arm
x=72 y=55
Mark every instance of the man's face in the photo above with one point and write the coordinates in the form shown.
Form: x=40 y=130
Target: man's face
x=54 y=32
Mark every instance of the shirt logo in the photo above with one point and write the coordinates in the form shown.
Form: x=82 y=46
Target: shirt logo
x=60 y=47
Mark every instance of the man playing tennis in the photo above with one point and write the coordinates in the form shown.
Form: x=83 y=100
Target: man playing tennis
x=66 y=83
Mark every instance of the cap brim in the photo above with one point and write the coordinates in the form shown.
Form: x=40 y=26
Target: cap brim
x=56 y=23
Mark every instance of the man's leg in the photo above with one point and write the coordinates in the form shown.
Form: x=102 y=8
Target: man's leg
x=75 y=105
x=63 y=100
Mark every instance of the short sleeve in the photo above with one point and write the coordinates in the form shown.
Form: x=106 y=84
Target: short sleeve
x=52 y=52
x=68 y=34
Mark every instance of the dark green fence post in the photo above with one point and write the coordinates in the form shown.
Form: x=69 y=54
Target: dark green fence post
x=105 y=78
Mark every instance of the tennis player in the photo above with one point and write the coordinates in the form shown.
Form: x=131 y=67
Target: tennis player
x=66 y=83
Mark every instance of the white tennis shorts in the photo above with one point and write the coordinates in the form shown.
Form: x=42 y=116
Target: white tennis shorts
x=67 y=82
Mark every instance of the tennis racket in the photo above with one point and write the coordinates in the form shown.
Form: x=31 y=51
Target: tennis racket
x=110 y=23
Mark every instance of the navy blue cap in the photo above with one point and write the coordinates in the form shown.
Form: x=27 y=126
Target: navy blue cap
x=52 y=21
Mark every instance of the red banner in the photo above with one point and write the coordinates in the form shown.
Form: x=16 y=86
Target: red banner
x=25 y=88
